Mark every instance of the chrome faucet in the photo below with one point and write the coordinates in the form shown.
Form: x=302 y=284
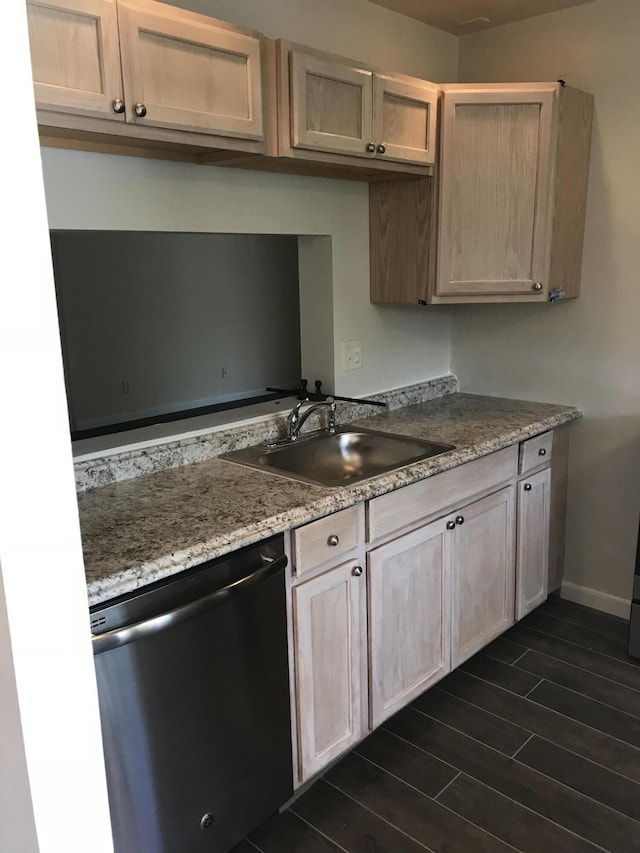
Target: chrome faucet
x=295 y=420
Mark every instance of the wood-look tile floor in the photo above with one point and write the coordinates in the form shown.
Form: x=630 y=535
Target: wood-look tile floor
x=532 y=745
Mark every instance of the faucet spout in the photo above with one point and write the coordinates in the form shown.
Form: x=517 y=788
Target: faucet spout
x=295 y=420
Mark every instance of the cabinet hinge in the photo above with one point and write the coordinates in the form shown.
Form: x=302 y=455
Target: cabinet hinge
x=556 y=294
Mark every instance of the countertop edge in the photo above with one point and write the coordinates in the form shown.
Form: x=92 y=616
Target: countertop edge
x=129 y=579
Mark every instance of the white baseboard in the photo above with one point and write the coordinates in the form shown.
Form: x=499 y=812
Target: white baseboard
x=594 y=598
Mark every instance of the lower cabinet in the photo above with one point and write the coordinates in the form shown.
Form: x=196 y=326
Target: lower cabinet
x=408 y=583
x=329 y=652
x=532 y=564
x=442 y=580
x=483 y=568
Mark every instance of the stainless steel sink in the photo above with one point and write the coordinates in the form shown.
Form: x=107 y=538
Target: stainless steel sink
x=348 y=456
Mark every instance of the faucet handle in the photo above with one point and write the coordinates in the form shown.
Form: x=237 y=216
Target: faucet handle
x=331 y=420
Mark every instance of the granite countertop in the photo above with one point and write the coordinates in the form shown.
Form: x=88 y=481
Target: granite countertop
x=141 y=530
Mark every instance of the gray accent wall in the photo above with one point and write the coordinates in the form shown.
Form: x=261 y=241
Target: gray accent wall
x=156 y=322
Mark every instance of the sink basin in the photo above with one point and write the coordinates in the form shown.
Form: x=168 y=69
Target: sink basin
x=348 y=456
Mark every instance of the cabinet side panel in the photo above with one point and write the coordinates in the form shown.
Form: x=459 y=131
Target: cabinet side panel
x=400 y=220
x=559 y=473
x=574 y=146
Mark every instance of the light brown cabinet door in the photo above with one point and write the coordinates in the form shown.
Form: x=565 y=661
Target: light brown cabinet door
x=75 y=56
x=405 y=120
x=483 y=573
x=329 y=646
x=409 y=627
x=532 y=563
x=331 y=105
x=188 y=74
x=495 y=193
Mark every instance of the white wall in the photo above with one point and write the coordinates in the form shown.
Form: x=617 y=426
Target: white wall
x=52 y=785
x=401 y=345
x=586 y=352
x=353 y=28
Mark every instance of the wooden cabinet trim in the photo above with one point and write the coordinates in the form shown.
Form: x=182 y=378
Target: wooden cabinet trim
x=429 y=498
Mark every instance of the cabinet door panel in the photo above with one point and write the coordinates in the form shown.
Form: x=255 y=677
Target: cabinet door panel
x=408 y=591
x=331 y=105
x=329 y=641
x=405 y=119
x=532 y=567
x=495 y=193
x=190 y=75
x=483 y=574
x=75 y=55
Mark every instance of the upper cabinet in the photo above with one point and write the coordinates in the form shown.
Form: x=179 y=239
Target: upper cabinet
x=75 y=54
x=149 y=66
x=495 y=192
x=183 y=73
x=335 y=111
x=505 y=221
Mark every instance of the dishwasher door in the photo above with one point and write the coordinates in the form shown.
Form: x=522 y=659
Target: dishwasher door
x=194 y=701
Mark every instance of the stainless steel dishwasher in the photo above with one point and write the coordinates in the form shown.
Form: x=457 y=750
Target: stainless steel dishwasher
x=194 y=701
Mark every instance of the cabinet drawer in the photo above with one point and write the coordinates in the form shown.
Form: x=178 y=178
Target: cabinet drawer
x=535 y=452
x=328 y=540
x=437 y=494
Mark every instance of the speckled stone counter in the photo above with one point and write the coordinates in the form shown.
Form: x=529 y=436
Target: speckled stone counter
x=141 y=530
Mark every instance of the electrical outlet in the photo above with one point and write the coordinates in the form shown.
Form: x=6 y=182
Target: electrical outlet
x=126 y=386
x=352 y=355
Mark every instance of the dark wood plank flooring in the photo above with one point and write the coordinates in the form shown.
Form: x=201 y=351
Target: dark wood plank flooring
x=533 y=745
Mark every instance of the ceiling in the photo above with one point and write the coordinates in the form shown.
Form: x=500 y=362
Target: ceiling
x=461 y=17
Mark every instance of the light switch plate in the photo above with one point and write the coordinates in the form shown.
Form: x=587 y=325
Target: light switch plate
x=352 y=355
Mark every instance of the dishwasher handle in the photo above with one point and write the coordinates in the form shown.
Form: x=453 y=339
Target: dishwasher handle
x=130 y=633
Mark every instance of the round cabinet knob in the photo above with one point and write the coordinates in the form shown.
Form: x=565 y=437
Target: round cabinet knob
x=459 y=519
x=117 y=105
x=382 y=149
x=527 y=487
x=542 y=452
x=333 y=540
x=356 y=571
x=371 y=148
x=206 y=821
x=451 y=525
x=537 y=286
x=140 y=110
